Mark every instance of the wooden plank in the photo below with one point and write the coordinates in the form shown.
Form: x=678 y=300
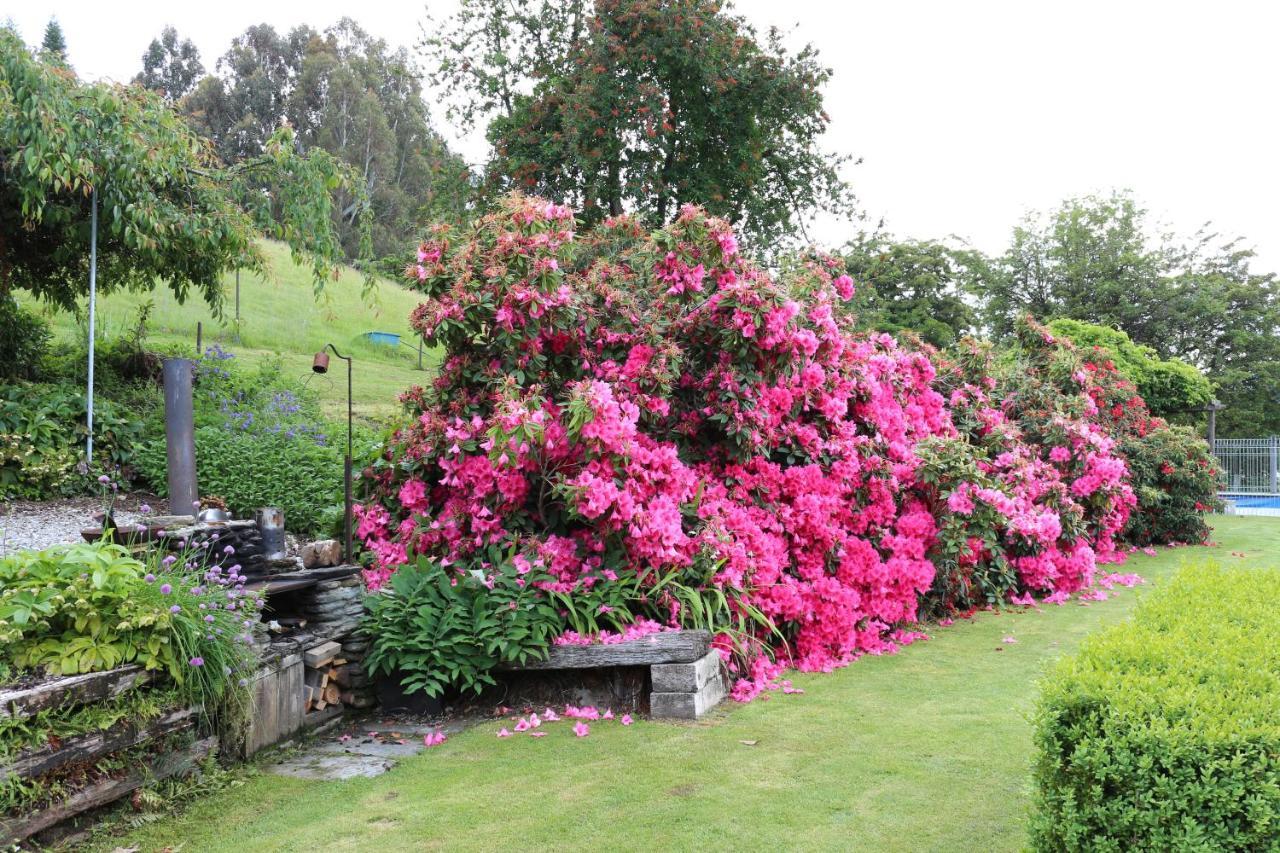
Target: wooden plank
x=321 y=654
x=20 y=828
x=665 y=647
x=89 y=746
x=72 y=690
x=278 y=698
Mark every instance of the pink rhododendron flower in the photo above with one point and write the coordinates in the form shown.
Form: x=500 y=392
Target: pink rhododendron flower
x=626 y=719
x=581 y=729
x=503 y=732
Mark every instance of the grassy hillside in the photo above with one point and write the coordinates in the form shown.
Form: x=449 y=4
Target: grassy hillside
x=281 y=315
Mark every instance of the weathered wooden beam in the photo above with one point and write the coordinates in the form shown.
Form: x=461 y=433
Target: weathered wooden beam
x=20 y=828
x=664 y=647
x=89 y=746
x=72 y=690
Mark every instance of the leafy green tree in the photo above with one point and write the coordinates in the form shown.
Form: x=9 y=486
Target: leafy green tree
x=1091 y=259
x=642 y=106
x=54 y=44
x=1100 y=260
x=914 y=285
x=170 y=210
x=170 y=67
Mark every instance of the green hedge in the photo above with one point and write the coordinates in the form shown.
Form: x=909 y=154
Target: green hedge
x=252 y=470
x=1164 y=733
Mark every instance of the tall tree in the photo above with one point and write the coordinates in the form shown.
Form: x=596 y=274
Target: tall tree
x=346 y=93
x=1091 y=259
x=170 y=66
x=170 y=210
x=1100 y=260
x=642 y=106
x=914 y=285
x=54 y=44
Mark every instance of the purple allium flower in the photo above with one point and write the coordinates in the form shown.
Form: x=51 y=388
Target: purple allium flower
x=175 y=609
x=165 y=589
x=197 y=661
x=228 y=550
x=150 y=578
x=209 y=618
x=104 y=479
x=145 y=509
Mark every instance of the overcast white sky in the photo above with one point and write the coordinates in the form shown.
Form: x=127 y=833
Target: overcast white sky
x=966 y=114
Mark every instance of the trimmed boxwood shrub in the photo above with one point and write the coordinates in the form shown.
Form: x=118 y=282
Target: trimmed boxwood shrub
x=1164 y=734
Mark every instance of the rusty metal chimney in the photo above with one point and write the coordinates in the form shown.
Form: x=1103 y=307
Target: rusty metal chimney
x=180 y=436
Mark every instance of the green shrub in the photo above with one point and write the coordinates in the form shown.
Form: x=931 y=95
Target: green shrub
x=92 y=607
x=42 y=437
x=438 y=633
x=252 y=470
x=1164 y=734
x=1176 y=481
x=24 y=340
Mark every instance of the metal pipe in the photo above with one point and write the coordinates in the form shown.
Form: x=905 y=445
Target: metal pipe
x=93 y=301
x=180 y=439
x=320 y=364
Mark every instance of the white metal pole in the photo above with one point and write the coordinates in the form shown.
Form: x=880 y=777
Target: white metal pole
x=93 y=299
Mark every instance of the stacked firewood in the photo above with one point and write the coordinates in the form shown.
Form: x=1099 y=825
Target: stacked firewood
x=331 y=679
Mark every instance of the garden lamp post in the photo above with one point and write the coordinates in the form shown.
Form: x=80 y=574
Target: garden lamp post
x=320 y=364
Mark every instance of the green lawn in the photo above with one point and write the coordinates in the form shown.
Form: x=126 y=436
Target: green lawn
x=928 y=749
x=281 y=315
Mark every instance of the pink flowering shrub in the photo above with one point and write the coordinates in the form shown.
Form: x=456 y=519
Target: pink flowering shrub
x=653 y=410
x=1035 y=496
x=637 y=431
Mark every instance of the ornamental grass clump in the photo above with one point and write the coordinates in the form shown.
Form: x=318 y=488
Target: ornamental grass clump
x=1164 y=733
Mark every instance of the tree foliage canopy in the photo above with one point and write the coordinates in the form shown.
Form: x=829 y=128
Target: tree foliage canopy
x=169 y=209
x=54 y=43
x=1099 y=260
x=170 y=66
x=643 y=106
x=914 y=285
x=348 y=94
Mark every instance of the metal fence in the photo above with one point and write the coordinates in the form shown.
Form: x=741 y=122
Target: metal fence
x=1249 y=465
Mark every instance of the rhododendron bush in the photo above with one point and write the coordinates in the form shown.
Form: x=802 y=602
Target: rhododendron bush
x=1034 y=494
x=647 y=427
x=1174 y=476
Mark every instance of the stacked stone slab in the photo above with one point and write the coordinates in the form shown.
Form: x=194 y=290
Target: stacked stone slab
x=333 y=610
x=244 y=539
x=686 y=691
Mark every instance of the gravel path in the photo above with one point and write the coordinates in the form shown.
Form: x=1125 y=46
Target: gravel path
x=31 y=524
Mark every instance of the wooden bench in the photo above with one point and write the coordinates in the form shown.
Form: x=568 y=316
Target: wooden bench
x=686 y=673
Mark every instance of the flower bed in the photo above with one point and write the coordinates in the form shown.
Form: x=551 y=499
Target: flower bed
x=646 y=426
x=111 y=661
